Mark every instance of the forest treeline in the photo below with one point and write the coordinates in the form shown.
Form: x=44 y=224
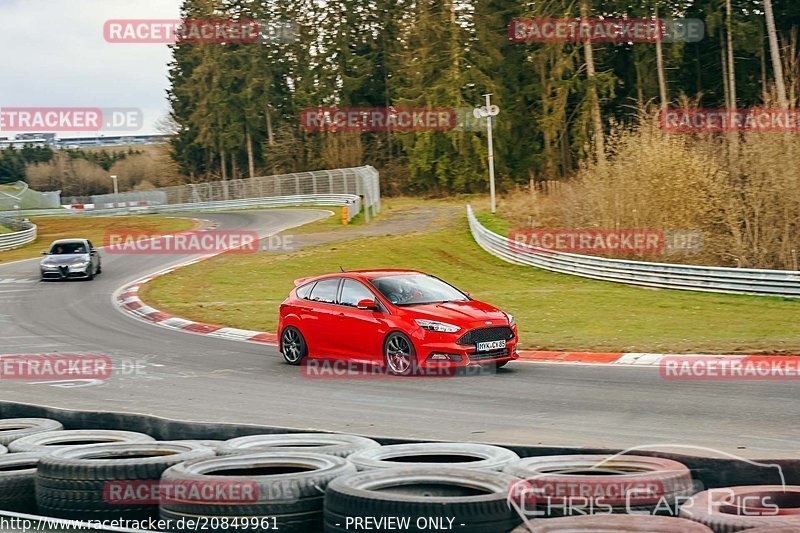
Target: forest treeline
x=236 y=107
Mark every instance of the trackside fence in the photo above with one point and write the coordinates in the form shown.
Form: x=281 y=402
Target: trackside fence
x=355 y=188
x=24 y=232
x=662 y=275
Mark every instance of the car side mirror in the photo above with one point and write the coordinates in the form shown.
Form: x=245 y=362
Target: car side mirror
x=366 y=303
x=93 y=251
x=45 y=252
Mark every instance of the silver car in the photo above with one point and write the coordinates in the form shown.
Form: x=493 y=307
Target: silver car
x=71 y=259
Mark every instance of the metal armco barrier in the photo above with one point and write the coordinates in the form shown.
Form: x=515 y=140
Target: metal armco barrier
x=25 y=233
x=354 y=187
x=662 y=275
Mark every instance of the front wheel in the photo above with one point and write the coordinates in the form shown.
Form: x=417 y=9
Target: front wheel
x=293 y=346
x=399 y=354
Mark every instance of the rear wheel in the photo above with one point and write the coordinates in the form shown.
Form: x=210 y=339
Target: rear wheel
x=399 y=354
x=293 y=346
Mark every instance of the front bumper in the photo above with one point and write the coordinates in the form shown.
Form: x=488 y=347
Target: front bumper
x=65 y=273
x=428 y=344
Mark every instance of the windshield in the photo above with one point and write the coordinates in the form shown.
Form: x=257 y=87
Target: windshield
x=417 y=289
x=65 y=248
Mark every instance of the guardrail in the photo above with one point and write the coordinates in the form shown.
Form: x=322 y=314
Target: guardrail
x=662 y=275
x=352 y=202
x=25 y=233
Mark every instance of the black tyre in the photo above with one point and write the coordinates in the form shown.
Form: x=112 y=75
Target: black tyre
x=12 y=429
x=54 y=440
x=399 y=355
x=90 y=273
x=435 y=454
x=475 y=498
x=213 y=444
x=293 y=346
x=327 y=443
x=18 y=482
x=287 y=487
x=89 y=482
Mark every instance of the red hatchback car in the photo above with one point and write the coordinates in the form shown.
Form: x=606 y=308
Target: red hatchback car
x=402 y=319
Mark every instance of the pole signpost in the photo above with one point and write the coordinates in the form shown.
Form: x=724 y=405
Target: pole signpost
x=488 y=111
x=116 y=192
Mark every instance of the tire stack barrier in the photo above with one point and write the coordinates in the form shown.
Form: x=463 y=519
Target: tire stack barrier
x=288 y=495
x=75 y=482
x=606 y=484
x=311 y=481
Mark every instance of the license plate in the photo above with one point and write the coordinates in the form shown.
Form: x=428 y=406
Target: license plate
x=490 y=345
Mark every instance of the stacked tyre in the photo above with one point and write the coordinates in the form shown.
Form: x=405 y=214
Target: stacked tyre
x=435 y=454
x=49 y=441
x=421 y=498
x=12 y=429
x=563 y=485
x=327 y=443
x=92 y=482
x=18 y=482
x=275 y=491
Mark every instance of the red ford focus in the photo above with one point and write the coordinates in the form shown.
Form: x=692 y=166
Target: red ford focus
x=402 y=319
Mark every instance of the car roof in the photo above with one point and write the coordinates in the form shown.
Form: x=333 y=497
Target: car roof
x=358 y=274
x=66 y=241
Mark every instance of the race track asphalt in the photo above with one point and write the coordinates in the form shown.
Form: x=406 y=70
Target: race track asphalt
x=199 y=378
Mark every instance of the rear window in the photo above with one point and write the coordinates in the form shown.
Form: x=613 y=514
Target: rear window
x=325 y=290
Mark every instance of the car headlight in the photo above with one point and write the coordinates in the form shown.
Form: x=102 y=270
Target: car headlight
x=81 y=265
x=441 y=327
x=511 y=320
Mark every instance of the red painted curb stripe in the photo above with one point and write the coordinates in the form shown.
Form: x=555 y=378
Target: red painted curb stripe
x=201 y=328
x=570 y=357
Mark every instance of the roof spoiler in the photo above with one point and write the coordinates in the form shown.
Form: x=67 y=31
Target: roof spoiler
x=300 y=281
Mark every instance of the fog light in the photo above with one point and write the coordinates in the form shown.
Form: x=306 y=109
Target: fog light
x=444 y=357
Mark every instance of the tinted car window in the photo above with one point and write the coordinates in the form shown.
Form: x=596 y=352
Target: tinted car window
x=325 y=290
x=417 y=289
x=353 y=292
x=304 y=291
x=69 y=248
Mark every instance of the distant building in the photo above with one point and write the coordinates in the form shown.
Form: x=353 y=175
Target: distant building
x=50 y=139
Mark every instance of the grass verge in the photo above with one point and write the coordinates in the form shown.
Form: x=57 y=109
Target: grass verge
x=93 y=228
x=554 y=311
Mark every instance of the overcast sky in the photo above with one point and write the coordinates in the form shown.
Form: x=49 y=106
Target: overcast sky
x=54 y=55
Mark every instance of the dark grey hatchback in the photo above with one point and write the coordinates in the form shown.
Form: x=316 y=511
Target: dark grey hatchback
x=70 y=259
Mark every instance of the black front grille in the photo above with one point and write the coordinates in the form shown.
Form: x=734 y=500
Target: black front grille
x=474 y=336
x=482 y=356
